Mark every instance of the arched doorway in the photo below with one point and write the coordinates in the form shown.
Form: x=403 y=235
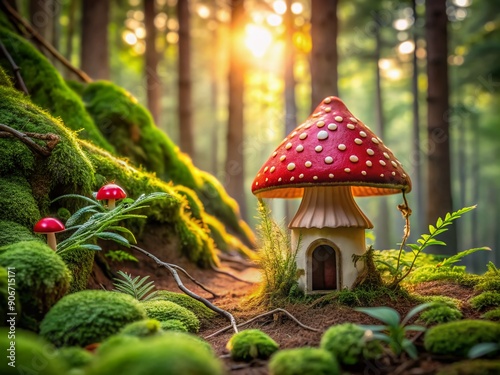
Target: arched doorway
x=324 y=268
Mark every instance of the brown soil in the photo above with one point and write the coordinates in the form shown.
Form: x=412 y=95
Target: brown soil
x=232 y=296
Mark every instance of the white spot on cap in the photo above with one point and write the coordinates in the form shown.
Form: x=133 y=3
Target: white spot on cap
x=394 y=164
x=322 y=135
x=299 y=148
x=331 y=175
x=320 y=124
x=363 y=173
x=353 y=158
x=327 y=100
x=318 y=148
x=358 y=141
x=353 y=120
x=290 y=166
x=370 y=152
x=404 y=175
x=293 y=134
x=381 y=175
x=351 y=126
x=280 y=179
x=303 y=136
x=369 y=163
x=308 y=164
x=332 y=126
x=338 y=118
x=288 y=146
x=375 y=140
x=256 y=184
x=274 y=154
x=265 y=169
x=362 y=133
x=258 y=174
x=347 y=170
x=393 y=173
x=328 y=109
x=283 y=157
x=301 y=175
x=382 y=163
x=341 y=147
x=273 y=168
x=292 y=178
x=328 y=160
x=315 y=177
x=307 y=126
x=267 y=179
x=386 y=155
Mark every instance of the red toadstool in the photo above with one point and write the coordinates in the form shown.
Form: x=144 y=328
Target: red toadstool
x=50 y=227
x=112 y=193
x=327 y=160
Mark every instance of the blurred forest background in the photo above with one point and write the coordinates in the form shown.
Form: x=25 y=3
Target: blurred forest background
x=228 y=79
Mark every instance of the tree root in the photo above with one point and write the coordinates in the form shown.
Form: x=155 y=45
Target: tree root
x=275 y=311
x=175 y=275
x=215 y=269
x=236 y=260
x=51 y=139
x=15 y=68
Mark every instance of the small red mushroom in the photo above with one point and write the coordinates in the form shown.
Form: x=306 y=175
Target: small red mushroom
x=112 y=193
x=50 y=227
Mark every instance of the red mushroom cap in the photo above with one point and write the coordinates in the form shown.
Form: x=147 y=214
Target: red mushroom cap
x=331 y=148
x=111 y=191
x=48 y=225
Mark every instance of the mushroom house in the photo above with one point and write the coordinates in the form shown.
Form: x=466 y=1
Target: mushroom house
x=326 y=161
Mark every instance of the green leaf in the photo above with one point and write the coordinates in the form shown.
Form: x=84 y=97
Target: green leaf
x=385 y=314
x=89 y=246
x=415 y=311
x=373 y=328
x=114 y=237
x=439 y=222
x=89 y=200
x=382 y=337
x=79 y=214
x=123 y=230
x=483 y=349
x=414 y=327
x=458 y=257
x=433 y=242
x=432 y=229
x=409 y=348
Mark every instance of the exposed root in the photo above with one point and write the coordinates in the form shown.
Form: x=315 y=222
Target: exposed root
x=15 y=68
x=51 y=139
x=215 y=269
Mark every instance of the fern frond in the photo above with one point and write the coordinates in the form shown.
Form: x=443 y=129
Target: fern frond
x=135 y=287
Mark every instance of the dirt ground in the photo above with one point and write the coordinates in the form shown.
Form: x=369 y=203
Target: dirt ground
x=232 y=295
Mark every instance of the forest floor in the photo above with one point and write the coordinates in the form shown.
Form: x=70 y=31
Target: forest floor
x=233 y=296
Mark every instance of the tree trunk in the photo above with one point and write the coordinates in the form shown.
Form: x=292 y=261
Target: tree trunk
x=42 y=16
x=184 y=61
x=439 y=193
x=324 y=56
x=235 y=164
x=71 y=28
x=153 y=83
x=94 y=51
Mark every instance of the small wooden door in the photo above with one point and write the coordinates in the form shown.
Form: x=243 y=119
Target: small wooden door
x=324 y=268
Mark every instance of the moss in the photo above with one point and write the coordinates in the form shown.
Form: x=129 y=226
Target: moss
x=366 y=295
x=4 y=79
x=303 y=361
x=193 y=203
x=32 y=355
x=490 y=284
x=16 y=201
x=196 y=307
x=165 y=310
x=42 y=278
x=116 y=342
x=251 y=344
x=472 y=367
x=11 y=232
x=88 y=317
x=492 y=315
x=173 y=325
x=48 y=90
x=74 y=357
x=347 y=342
x=142 y=328
x=443 y=300
x=485 y=299
x=457 y=338
x=440 y=314
x=80 y=263
x=170 y=354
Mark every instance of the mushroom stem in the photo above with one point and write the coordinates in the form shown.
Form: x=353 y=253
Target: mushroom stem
x=111 y=204
x=51 y=241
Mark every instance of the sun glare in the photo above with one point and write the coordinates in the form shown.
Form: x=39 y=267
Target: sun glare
x=257 y=39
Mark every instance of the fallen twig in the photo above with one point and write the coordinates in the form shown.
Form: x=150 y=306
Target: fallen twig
x=215 y=269
x=181 y=286
x=262 y=316
x=51 y=139
x=215 y=295
x=15 y=68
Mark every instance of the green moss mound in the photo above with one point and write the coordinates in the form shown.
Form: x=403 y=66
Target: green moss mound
x=196 y=307
x=47 y=88
x=41 y=278
x=492 y=315
x=4 y=79
x=251 y=344
x=474 y=367
x=142 y=328
x=17 y=203
x=457 y=338
x=88 y=317
x=11 y=232
x=74 y=357
x=170 y=354
x=32 y=355
x=440 y=314
x=166 y=310
x=349 y=344
x=116 y=342
x=490 y=283
x=80 y=263
x=485 y=299
x=303 y=361
x=173 y=325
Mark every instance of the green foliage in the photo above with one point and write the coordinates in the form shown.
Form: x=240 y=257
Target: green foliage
x=4 y=78
x=474 y=367
x=394 y=331
x=30 y=352
x=485 y=299
x=41 y=278
x=11 y=232
x=80 y=263
x=166 y=310
x=484 y=349
x=116 y=342
x=366 y=295
x=493 y=314
x=441 y=300
x=457 y=338
x=142 y=328
x=120 y=256
x=173 y=325
x=16 y=201
x=88 y=317
x=350 y=344
x=74 y=357
x=169 y=354
x=251 y=344
x=303 y=361
x=275 y=258
x=489 y=283
x=135 y=287
x=196 y=307
x=440 y=314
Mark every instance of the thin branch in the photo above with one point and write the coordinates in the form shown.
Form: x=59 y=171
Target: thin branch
x=83 y=76
x=15 y=68
x=52 y=139
x=262 y=316
x=215 y=269
x=405 y=212
x=181 y=286
x=215 y=295
x=233 y=259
